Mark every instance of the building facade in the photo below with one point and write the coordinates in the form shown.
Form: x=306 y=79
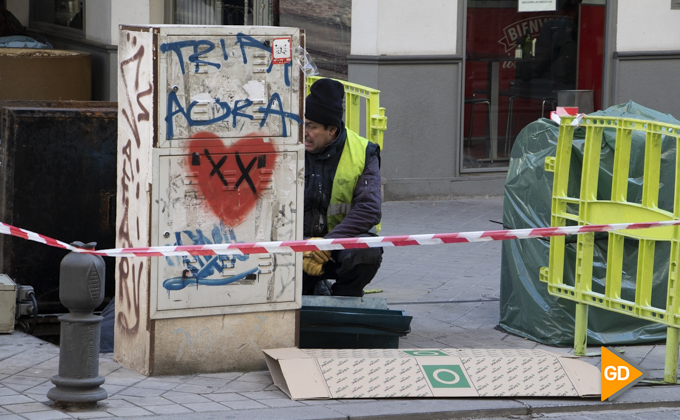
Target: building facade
x=459 y=79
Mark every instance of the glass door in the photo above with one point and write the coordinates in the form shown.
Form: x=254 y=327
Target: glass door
x=516 y=65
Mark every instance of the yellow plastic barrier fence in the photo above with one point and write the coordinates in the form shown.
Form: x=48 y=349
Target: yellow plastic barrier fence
x=587 y=210
x=375 y=119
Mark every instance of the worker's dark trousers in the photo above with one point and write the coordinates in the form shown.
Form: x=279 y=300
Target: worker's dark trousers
x=352 y=270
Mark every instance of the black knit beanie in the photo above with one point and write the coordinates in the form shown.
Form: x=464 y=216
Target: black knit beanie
x=324 y=102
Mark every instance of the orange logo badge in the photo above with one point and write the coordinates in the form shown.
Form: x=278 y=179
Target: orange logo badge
x=618 y=374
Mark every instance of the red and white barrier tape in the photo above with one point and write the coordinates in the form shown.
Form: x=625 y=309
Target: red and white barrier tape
x=334 y=244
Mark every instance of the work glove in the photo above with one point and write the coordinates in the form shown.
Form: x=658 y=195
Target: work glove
x=313 y=261
x=320 y=256
x=310 y=265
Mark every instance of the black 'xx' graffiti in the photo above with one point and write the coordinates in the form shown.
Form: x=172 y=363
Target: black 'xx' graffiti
x=245 y=171
x=216 y=167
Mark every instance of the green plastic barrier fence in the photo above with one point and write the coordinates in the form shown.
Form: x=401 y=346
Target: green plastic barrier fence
x=586 y=209
x=375 y=119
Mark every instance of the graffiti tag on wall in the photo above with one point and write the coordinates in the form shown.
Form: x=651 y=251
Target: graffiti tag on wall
x=135 y=114
x=231 y=182
x=226 y=102
x=197 y=270
x=229 y=110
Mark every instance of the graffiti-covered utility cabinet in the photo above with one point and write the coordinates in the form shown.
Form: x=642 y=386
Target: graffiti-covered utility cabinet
x=210 y=151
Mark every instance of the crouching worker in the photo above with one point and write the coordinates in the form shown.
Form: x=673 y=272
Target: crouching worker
x=342 y=195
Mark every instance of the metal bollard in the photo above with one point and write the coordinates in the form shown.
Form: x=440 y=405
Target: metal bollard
x=81 y=290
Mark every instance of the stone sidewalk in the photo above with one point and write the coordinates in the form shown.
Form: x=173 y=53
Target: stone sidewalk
x=450 y=290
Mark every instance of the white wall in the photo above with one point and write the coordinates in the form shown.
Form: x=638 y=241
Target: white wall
x=648 y=25
x=364 y=27
x=128 y=12
x=19 y=9
x=156 y=12
x=98 y=20
x=404 y=27
x=102 y=17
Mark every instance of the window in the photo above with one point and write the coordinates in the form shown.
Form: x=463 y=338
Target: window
x=209 y=12
x=58 y=13
x=517 y=63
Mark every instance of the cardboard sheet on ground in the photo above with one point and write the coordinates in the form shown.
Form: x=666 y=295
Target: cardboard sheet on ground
x=422 y=373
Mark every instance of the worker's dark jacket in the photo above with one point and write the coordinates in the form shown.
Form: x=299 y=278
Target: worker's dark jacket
x=365 y=211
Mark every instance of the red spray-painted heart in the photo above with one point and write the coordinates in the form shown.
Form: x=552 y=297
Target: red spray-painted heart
x=231 y=178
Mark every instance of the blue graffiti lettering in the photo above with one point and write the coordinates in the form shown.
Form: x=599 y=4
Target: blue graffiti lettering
x=268 y=110
x=274 y=107
x=177 y=46
x=171 y=112
x=248 y=41
x=199 y=49
x=197 y=271
x=286 y=71
x=179 y=283
x=235 y=112
x=225 y=108
x=175 y=107
x=244 y=41
x=224 y=50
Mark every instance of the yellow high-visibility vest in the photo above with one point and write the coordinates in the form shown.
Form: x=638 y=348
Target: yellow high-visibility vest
x=350 y=168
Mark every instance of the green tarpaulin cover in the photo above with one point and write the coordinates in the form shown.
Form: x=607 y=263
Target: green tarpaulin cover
x=527 y=309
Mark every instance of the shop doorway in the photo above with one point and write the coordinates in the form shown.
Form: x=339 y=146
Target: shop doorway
x=518 y=63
